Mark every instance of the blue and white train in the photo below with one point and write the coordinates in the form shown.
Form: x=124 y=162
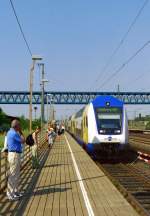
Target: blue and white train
x=101 y=126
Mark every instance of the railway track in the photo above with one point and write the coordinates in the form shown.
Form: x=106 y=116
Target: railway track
x=143 y=138
x=140 y=142
x=133 y=183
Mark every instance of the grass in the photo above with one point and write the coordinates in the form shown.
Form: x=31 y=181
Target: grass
x=1 y=141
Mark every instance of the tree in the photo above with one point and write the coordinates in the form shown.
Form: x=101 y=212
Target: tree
x=4 y=121
x=24 y=122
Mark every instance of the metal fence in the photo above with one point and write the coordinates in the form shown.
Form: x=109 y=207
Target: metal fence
x=25 y=158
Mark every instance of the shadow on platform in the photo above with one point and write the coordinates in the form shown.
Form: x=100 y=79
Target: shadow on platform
x=28 y=180
x=69 y=182
x=50 y=190
x=56 y=165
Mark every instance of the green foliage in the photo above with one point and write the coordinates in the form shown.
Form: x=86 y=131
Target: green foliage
x=148 y=126
x=4 y=121
x=137 y=124
x=142 y=118
x=1 y=141
x=5 y=125
x=24 y=122
x=36 y=123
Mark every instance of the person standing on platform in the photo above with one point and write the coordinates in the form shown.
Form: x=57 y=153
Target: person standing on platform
x=14 y=143
x=5 y=148
x=62 y=129
x=35 y=160
x=50 y=135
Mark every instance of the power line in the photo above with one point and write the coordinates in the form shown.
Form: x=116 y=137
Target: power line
x=125 y=63
x=137 y=78
x=122 y=40
x=20 y=27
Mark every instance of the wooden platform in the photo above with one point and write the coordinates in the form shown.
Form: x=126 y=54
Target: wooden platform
x=69 y=183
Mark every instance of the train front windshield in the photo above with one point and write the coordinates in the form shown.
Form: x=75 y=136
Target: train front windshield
x=109 y=120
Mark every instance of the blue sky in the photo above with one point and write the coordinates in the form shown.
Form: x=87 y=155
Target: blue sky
x=76 y=38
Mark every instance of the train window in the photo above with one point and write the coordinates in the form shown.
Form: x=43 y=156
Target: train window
x=109 y=120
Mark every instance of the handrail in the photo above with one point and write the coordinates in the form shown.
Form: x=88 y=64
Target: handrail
x=25 y=158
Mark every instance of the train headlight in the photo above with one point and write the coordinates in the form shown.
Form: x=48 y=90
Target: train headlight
x=102 y=131
x=117 y=131
x=107 y=104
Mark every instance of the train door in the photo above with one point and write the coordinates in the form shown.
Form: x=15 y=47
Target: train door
x=73 y=127
x=82 y=129
x=85 y=129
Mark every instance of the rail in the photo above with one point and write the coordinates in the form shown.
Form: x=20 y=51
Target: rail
x=138 y=131
x=132 y=183
x=140 y=142
x=25 y=158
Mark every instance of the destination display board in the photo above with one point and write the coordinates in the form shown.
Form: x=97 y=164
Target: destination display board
x=109 y=110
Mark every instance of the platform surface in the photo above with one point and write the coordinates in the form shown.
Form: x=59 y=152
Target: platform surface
x=69 y=183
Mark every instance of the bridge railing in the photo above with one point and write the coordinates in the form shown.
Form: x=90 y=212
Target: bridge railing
x=25 y=159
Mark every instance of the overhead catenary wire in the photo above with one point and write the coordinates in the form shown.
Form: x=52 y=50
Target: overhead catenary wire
x=20 y=27
x=122 y=39
x=125 y=63
x=139 y=77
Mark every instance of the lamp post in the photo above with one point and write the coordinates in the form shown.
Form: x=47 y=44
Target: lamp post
x=43 y=81
x=49 y=102
x=51 y=108
x=54 y=114
x=34 y=59
x=47 y=109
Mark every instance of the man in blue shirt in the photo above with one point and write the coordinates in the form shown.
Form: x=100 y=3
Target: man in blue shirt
x=14 y=141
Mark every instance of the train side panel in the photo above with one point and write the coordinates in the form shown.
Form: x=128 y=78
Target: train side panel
x=85 y=125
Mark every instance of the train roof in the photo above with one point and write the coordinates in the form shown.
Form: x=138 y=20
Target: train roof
x=107 y=101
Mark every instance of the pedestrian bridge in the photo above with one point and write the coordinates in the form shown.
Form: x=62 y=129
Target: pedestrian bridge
x=55 y=97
